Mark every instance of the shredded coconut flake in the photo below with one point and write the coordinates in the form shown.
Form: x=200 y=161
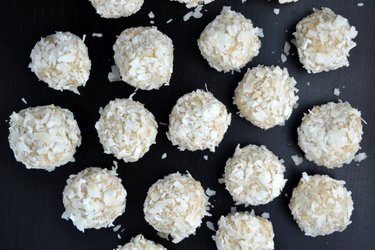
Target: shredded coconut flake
x=265 y=215
x=360 y=4
x=210 y=225
x=23 y=100
x=116 y=228
x=151 y=15
x=205 y=157
x=283 y=58
x=360 y=157
x=97 y=34
x=210 y=192
x=336 y=92
x=276 y=11
x=297 y=160
x=164 y=156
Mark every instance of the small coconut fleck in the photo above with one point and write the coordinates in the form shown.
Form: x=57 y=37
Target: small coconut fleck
x=276 y=11
x=97 y=35
x=336 y=92
x=164 y=156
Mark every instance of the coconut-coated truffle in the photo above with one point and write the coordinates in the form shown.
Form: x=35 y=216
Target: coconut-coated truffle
x=330 y=134
x=193 y=3
x=254 y=175
x=139 y=242
x=144 y=56
x=198 y=121
x=44 y=137
x=93 y=198
x=244 y=230
x=175 y=206
x=126 y=129
x=266 y=96
x=62 y=61
x=321 y=205
x=116 y=8
x=323 y=40
x=230 y=41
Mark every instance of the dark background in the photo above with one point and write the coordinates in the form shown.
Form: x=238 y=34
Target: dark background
x=31 y=200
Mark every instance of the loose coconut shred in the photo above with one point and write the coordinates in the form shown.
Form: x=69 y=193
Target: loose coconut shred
x=330 y=134
x=323 y=41
x=254 y=175
x=198 y=121
x=94 y=198
x=230 y=41
x=44 y=137
x=321 y=205
x=139 y=242
x=144 y=57
x=244 y=230
x=266 y=96
x=116 y=8
x=287 y=1
x=62 y=61
x=194 y=3
x=175 y=206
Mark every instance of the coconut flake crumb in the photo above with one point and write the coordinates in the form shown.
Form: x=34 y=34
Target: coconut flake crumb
x=163 y=123
x=233 y=210
x=276 y=11
x=210 y=225
x=286 y=48
x=97 y=35
x=283 y=58
x=210 y=192
x=225 y=9
x=23 y=100
x=308 y=84
x=297 y=160
x=205 y=157
x=119 y=236
x=265 y=215
x=169 y=20
x=151 y=15
x=336 y=91
x=152 y=22
x=360 y=4
x=114 y=75
x=360 y=157
x=116 y=228
x=164 y=156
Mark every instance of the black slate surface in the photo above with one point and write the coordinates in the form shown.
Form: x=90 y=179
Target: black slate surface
x=31 y=201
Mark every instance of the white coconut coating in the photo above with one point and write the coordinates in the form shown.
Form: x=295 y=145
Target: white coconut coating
x=144 y=57
x=321 y=205
x=193 y=3
x=198 y=121
x=244 y=230
x=230 y=41
x=116 y=8
x=254 y=175
x=44 y=137
x=266 y=96
x=139 y=242
x=323 y=41
x=175 y=206
x=330 y=134
x=126 y=129
x=93 y=198
x=287 y=1
x=62 y=61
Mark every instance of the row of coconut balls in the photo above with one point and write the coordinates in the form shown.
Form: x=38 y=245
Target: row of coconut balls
x=144 y=55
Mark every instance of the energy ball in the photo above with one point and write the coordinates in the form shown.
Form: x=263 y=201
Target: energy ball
x=198 y=121
x=321 y=205
x=144 y=57
x=244 y=230
x=140 y=243
x=194 y=3
x=175 y=206
x=230 y=41
x=62 y=61
x=330 y=134
x=323 y=41
x=254 y=175
x=266 y=96
x=116 y=8
x=126 y=129
x=44 y=137
x=93 y=198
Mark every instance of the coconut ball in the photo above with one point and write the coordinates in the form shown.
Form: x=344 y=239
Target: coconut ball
x=44 y=137
x=93 y=198
x=193 y=3
x=230 y=41
x=175 y=206
x=330 y=134
x=254 y=175
x=140 y=243
x=116 y=8
x=126 y=129
x=244 y=230
x=321 y=205
x=323 y=41
x=144 y=57
x=62 y=61
x=266 y=96
x=198 y=121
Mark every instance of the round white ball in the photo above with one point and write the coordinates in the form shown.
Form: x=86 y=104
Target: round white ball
x=116 y=8
x=323 y=41
x=139 y=242
x=330 y=134
x=144 y=57
x=44 y=137
x=266 y=96
x=175 y=206
x=194 y=3
x=62 y=61
x=321 y=205
x=230 y=41
x=126 y=129
x=244 y=230
x=198 y=121
x=93 y=198
x=254 y=175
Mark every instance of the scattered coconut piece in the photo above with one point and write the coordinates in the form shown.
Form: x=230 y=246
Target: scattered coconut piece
x=360 y=4
x=276 y=11
x=114 y=75
x=283 y=58
x=265 y=215
x=187 y=16
x=210 y=192
x=360 y=157
x=116 y=228
x=97 y=35
x=297 y=160
x=210 y=225
x=164 y=156
x=233 y=210
x=286 y=48
x=151 y=15
x=169 y=20
x=336 y=91
x=205 y=157
x=23 y=100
